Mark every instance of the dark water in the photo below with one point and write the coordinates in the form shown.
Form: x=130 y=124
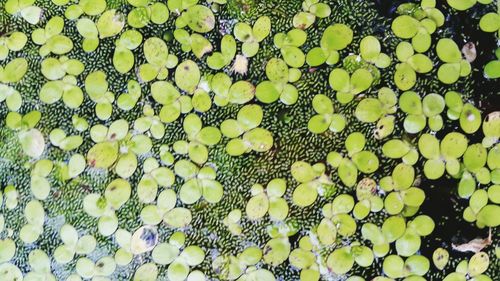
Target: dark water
x=442 y=202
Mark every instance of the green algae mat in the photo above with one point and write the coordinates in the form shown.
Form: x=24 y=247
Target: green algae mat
x=250 y=140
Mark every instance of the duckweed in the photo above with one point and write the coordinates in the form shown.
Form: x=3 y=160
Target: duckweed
x=249 y=140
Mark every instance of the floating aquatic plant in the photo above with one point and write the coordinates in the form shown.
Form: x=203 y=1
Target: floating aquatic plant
x=379 y=109
x=313 y=181
x=278 y=86
x=335 y=38
x=13 y=42
x=25 y=9
x=248 y=140
x=348 y=85
x=325 y=119
x=268 y=201
x=418 y=22
x=357 y=159
x=454 y=66
x=250 y=36
x=12 y=72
